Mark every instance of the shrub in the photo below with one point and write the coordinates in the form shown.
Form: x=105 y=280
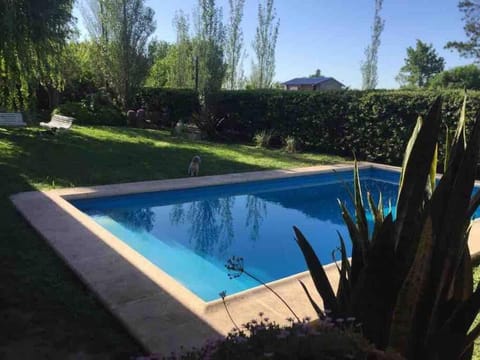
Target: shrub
x=75 y=109
x=410 y=278
x=109 y=115
x=167 y=106
x=263 y=138
x=207 y=122
x=291 y=144
x=261 y=339
x=86 y=114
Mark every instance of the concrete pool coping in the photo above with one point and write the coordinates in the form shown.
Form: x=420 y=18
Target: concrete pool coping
x=156 y=309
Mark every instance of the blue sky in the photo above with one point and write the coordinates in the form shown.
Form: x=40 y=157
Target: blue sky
x=332 y=34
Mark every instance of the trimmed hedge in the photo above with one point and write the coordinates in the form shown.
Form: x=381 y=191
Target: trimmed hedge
x=168 y=105
x=375 y=125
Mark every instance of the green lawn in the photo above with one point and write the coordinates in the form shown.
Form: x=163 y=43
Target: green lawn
x=45 y=311
x=476 y=279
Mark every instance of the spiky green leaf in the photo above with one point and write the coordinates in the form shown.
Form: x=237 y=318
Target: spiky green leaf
x=358 y=247
x=413 y=289
x=447 y=148
x=315 y=306
x=374 y=293
x=453 y=194
x=408 y=225
x=460 y=137
x=408 y=151
x=451 y=338
x=377 y=212
x=433 y=173
x=344 y=288
x=360 y=216
x=317 y=272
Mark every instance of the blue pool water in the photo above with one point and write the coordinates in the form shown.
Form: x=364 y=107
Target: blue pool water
x=190 y=234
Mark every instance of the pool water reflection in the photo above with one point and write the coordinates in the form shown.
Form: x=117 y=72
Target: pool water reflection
x=191 y=233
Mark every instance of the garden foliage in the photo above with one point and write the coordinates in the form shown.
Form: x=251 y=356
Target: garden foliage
x=173 y=104
x=89 y=112
x=261 y=338
x=373 y=124
x=409 y=282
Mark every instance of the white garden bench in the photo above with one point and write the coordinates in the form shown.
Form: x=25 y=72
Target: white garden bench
x=58 y=122
x=11 y=119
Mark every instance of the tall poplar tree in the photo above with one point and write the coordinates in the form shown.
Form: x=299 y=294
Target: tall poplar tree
x=234 y=44
x=208 y=47
x=264 y=45
x=121 y=29
x=183 y=69
x=369 y=66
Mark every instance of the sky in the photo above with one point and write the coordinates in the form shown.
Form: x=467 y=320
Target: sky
x=331 y=35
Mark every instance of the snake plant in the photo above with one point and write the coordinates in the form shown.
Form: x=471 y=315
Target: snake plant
x=409 y=280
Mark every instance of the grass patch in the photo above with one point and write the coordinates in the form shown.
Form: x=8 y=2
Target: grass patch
x=476 y=280
x=45 y=310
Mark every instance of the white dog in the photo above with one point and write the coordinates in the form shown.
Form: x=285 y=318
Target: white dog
x=194 y=167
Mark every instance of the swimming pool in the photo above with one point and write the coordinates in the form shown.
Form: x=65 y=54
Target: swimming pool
x=155 y=307
x=191 y=233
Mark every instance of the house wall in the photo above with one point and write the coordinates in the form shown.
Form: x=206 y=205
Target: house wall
x=299 y=87
x=306 y=87
x=329 y=85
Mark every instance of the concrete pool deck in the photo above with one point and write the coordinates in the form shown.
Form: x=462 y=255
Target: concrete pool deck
x=157 y=310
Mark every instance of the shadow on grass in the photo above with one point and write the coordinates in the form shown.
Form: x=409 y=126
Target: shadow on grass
x=147 y=310
x=72 y=159
x=45 y=310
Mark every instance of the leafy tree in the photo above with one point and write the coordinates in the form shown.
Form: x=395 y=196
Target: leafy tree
x=33 y=35
x=196 y=61
x=421 y=63
x=263 y=68
x=161 y=72
x=182 y=73
x=471 y=16
x=121 y=30
x=157 y=50
x=369 y=66
x=78 y=70
x=234 y=45
x=461 y=77
x=317 y=74
x=208 y=47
